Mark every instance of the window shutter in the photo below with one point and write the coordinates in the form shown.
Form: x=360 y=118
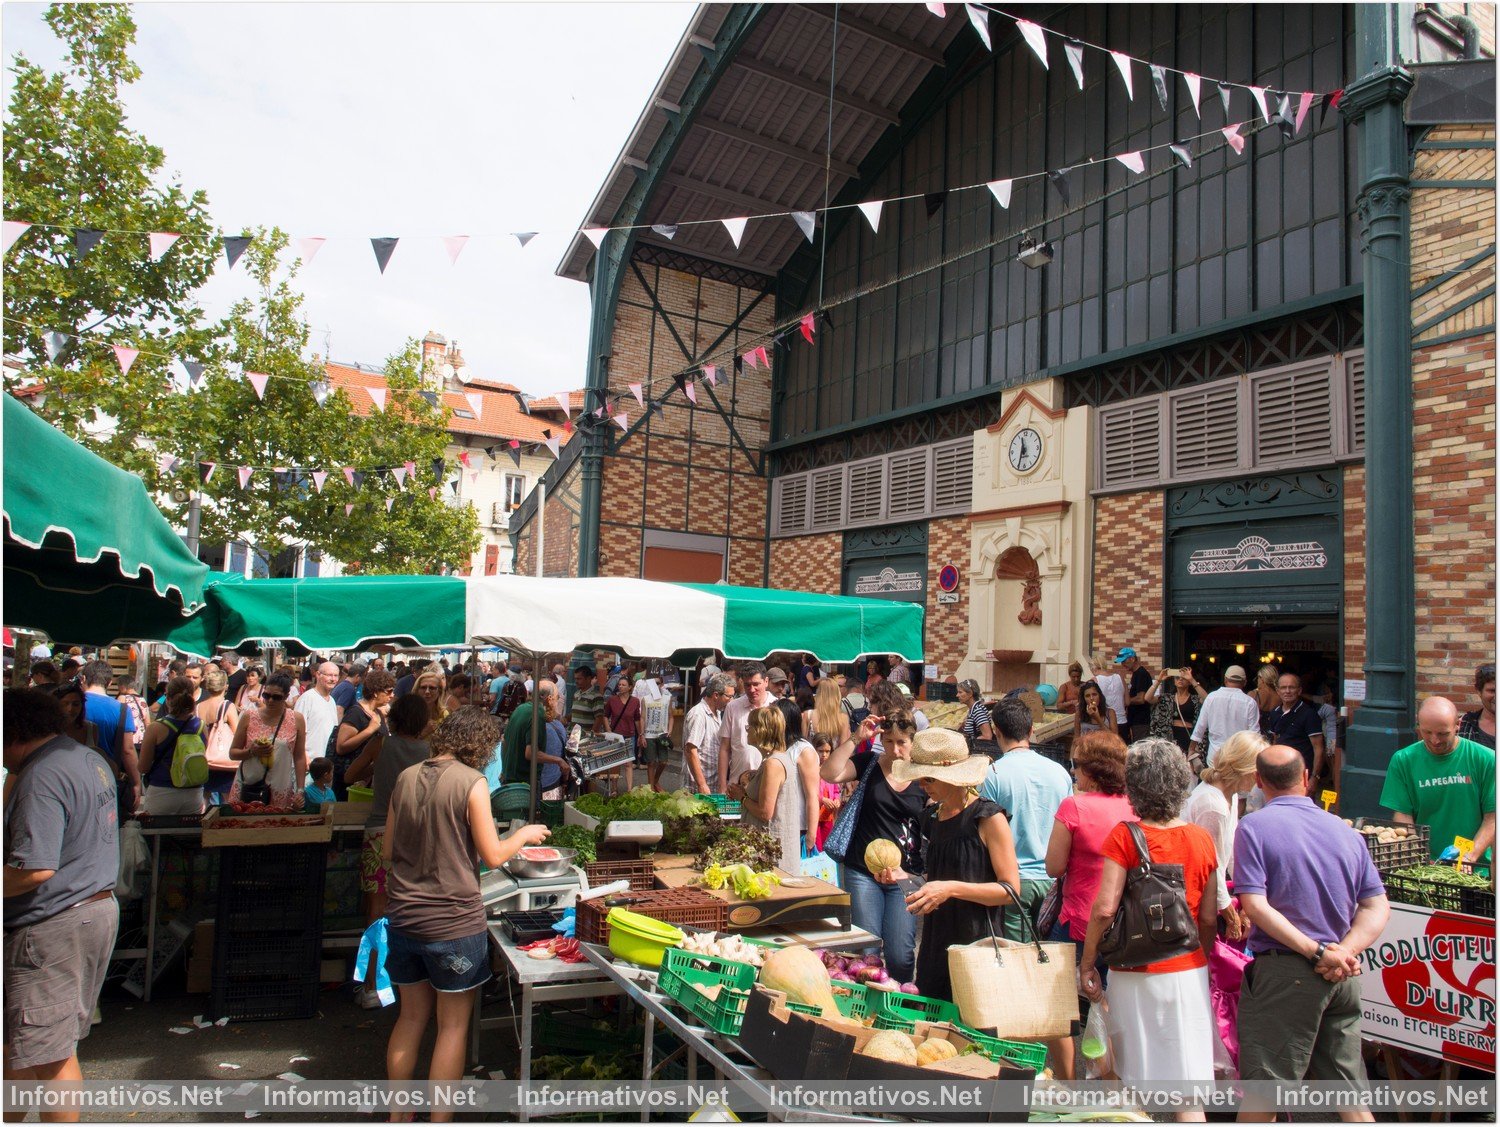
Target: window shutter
x=909 y=489
x=953 y=475
x=828 y=497
x=867 y=491
x=1292 y=415
x=791 y=504
x=1130 y=443
x=1354 y=372
x=1204 y=429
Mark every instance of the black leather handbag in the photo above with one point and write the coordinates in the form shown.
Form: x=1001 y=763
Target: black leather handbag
x=1153 y=921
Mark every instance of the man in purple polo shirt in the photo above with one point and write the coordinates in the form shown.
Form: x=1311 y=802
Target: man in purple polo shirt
x=1307 y=883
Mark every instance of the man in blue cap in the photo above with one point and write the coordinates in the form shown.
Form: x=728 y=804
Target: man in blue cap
x=1138 y=681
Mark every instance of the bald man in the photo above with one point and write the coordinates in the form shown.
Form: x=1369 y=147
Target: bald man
x=1445 y=783
x=320 y=711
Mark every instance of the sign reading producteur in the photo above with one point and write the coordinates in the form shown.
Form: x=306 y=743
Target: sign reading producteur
x=888 y=581
x=1256 y=553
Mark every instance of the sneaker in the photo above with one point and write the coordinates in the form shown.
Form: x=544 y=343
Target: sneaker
x=96 y=1018
x=366 y=998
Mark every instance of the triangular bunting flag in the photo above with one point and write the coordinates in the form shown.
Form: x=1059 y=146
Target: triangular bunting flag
x=125 y=357
x=54 y=344
x=389 y=501
x=1123 y=61
x=552 y=444
x=1182 y=155
x=258 y=382
x=524 y=237
x=377 y=396
x=690 y=389
x=939 y=10
x=1036 y=39
x=1224 y=97
x=1059 y=180
x=981 y=21
x=1001 y=191
x=760 y=354
x=807 y=223
x=245 y=472
x=473 y=479
x=620 y=421
x=475 y=402
x=349 y=475
x=399 y=473
x=711 y=375
x=383 y=248
x=165 y=463
x=565 y=401
x=736 y=229
x=1259 y=94
x=234 y=246
x=453 y=485
x=1159 y=82
x=667 y=231
x=439 y=468
x=321 y=391
x=430 y=397
x=206 y=471
x=308 y=247
x=1194 y=85
x=463 y=457
x=12 y=229
x=809 y=325
x=635 y=390
x=86 y=239
x=1232 y=135
x=319 y=477
x=1074 y=50
x=410 y=468
x=348 y=509
x=514 y=450
x=1283 y=117
x=1333 y=103
x=934 y=201
x=161 y=242
x=871 y=211
x=595 y=235
x=1133 y=161
x=359 y=479
x=750 y=359
x=455 y=245
x=1303 y=105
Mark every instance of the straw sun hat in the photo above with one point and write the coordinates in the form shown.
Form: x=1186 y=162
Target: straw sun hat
x=942 y=754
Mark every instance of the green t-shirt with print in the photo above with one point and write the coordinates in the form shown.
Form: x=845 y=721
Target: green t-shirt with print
x=1448 y=793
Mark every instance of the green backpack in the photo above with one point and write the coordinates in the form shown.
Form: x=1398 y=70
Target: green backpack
x=189 y=756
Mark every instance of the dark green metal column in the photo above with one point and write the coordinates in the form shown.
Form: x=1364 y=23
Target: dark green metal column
x=1375 y=103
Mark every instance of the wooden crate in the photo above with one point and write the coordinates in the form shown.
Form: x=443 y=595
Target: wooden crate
x=349 y=813
x=307 y=829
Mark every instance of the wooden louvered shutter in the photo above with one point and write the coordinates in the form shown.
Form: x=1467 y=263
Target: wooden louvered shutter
x=1203 y=432
x=1130 y=443
x=791 y=505
x=867 y=491
x=827 y=492
x=1354 y=372
x=909 y=491
x=1292 y=415
x=953 y=476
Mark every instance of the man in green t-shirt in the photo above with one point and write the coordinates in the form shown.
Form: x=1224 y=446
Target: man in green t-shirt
x=513 y=746
x=1445 y=783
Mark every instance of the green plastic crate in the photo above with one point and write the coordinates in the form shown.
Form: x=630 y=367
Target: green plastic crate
x=902 y=1011
x=726 y=806
x=683 y=971
x=852 y=999
x=550 y=813
x=1030 y=1055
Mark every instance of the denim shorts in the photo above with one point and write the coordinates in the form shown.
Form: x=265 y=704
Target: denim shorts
x=451 y=965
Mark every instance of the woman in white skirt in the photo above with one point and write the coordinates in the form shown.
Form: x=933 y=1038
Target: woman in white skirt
x=1160 y=1018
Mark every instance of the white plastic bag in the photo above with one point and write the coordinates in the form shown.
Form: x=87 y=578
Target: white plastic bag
x=135 y=858
x=1098 y=1059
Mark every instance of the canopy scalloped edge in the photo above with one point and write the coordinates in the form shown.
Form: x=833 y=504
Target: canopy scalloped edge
x=164 y=590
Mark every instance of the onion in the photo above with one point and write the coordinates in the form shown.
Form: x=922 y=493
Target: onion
x=880 y=975
x=908 y=988
x=840 y=976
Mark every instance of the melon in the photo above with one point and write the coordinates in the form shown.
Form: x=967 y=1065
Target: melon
x=801 y=976
x=933 y=1050
x=882 y=854
x=891 y=1045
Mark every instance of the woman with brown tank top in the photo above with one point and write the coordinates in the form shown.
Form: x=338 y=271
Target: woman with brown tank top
x=438 y=830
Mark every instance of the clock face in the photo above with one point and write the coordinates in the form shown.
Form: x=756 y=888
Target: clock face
x=1025 y=450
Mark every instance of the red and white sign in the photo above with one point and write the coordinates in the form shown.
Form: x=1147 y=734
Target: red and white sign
x=1429 y=985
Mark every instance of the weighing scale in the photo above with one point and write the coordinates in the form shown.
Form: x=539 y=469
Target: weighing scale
x=502 y=892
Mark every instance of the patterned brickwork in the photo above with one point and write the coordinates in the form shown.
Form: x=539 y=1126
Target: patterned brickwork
x=808 y=563
x=1354 y=571
x=947 y=625
x=1128 y=583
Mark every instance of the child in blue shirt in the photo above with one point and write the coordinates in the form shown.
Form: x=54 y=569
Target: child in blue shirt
x=320 y=790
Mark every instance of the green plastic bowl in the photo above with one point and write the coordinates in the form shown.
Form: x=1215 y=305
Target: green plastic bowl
x=640 y=939
x=361 y=794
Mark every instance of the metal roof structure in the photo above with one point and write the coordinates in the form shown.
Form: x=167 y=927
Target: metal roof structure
x=756 y=139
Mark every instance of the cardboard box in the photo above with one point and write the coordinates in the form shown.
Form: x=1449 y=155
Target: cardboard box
x=200 y=967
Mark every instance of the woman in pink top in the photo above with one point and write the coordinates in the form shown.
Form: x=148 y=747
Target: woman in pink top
x=1074 y=853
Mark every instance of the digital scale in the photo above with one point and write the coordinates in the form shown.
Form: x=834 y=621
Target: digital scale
x=502 y=892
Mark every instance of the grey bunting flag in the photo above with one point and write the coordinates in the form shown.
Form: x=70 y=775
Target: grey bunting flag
x=1059 y=180
x=1283 y=118
x=384 y=248
x=524 y=237
x=515 y=454
x=55 y=343
x=234 y=246
x=1182 y=154
x=321 y=391
x=1224 y=97
x=934 y=202
x=86 y=239
x=1159 y=80
x=430 y=396
x=453 y=485
x=359 y=479
x=667 y=231
x=439 y=468
x=192 y=373
x=807 y=222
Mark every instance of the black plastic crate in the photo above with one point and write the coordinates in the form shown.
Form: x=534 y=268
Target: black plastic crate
x=255 y=909
x=280 y=998
x=275 y=866
x=269 y=955
x=528 y=927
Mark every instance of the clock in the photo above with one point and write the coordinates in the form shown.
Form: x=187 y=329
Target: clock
x=1025 y=450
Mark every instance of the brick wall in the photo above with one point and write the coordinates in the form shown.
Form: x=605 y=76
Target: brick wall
x=947 y=625
x=1129 y=588
x=1453 y=385
x=1354 y=572
x=808 y=563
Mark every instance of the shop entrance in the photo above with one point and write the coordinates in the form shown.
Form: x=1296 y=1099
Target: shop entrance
x=1308 y=647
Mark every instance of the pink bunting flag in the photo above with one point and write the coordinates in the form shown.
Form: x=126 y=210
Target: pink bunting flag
x=750 y=359
x=207 y=470
x=761 y=355
x=1259 y=94
x=1303 y=105
x=567 y=426
x=515 y=444
x=635 y=390
x=552 y=444
x=1001 y=191
x=399 y=473
x=377 y=396
x=348 y=509
x=736 y=229
x=258 y=382
x=125 y=357
x=620 y=422
x=473 y=479
x=389 y=501
x=690 y=389
x=871 y=211
x=463 y=456
x=1036 y=39
x=166 y=463
x=1123 y=61
x=349 y=475
x=455 y=245
x=711 y=375
x=411 y=469
x=1194 y=85
x=809 y=325
x=245 y=472
x=475 y=402
x=980 y=19
x=431 y=493
x=161 y=242
x=13 y=229
x=1232 y=135
x=594 y=235
x=939 y=10
x=308 y=247
x=1133 y=161
x=319 y=477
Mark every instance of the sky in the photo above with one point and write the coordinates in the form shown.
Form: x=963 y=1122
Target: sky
x=417 y=120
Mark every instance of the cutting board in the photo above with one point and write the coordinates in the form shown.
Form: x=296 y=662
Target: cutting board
x=815 y=900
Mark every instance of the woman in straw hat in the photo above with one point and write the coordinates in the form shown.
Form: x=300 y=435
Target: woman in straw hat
x=970 y=850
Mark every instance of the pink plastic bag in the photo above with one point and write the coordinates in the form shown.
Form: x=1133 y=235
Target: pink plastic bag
x=1226 y=970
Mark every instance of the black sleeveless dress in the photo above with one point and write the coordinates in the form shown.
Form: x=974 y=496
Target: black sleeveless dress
x=954 y=852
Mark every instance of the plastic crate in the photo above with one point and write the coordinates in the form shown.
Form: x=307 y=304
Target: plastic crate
x=278 y=998
x=571 y=1033
x=550 y=812
x=852 y=998
x=1414 y=849
x=1407 y=887
x=640 y=874
x=683 y=972
x=1030 y=1055
x=528 y=927
x=681 y=906
x=726 y=806
x=239 y=957
x=894 y=1010
x=276 y=866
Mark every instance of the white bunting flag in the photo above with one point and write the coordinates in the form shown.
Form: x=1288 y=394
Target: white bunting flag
x=736 y=229
x=55 y=343
x=321 y=391
x=1123 y=61
x=475 y=402
x=319 y=477
x=1224 y=97
x=939 y=10
x=399 y=473
x=348 y=509
x=13 y=229
x=377 y=396
x=1194 y=85
x=690 y=389
x=552 y=444
x=1184 y=157
x=165 y=463
x=1074 y=51
x=389 y=501
x=1133 y=161
x=1259 y=94
x=806 y=222
x=1036 y=39
x=524 y=237
x=1001 y=191
x=245 y=472
x=125 y=357
x=1232 y=135
x=565 y=401
x=981 y=21
x=620 y=421
x=455 y=245
x=161 y=242
x=1303 y=106
x=308 y=247
x=667 y=231
x=871 y=211
x=635 y=390
x=258 y=382
x=594 y=235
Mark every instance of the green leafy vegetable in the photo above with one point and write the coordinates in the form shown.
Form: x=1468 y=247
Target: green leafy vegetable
x=575 y=838
x=738 y=844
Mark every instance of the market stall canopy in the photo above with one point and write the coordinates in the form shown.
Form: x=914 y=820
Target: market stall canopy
x=88 y=557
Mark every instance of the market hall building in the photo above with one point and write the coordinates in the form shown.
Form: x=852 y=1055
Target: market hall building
x=1225 y=412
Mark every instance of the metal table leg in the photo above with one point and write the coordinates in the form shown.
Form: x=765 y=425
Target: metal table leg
x=523 y=1074
x=646 y=1055
x=151 y=890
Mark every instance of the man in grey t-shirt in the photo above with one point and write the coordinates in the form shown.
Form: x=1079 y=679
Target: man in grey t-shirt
x=62 y=858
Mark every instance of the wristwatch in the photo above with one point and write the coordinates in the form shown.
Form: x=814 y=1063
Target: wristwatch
x=1317 y=955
